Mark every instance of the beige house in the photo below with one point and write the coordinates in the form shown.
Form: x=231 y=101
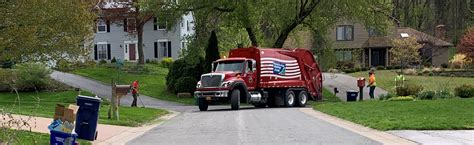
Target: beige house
x=348 y=37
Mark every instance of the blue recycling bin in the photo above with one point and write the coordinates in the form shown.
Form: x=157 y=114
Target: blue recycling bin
x=351 y=95
x=87 y=117
x=62 y=138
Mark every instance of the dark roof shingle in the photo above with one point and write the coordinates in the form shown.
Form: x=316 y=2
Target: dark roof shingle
x=421 y=37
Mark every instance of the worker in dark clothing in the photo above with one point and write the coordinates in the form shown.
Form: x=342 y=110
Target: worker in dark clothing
x=135 y=93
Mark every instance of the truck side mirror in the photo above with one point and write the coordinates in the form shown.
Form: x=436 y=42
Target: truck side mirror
x=251 y=65
x=213 y=66
x=254 y=65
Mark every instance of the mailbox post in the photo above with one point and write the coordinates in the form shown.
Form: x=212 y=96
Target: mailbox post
x=361 y=84
x=118 y=91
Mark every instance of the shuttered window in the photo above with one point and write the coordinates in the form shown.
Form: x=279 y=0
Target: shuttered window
x=164 y=48
x=102 y=51
x=102 y=26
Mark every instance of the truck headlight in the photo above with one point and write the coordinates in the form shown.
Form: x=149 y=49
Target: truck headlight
x=225 y=84
x=198 y=85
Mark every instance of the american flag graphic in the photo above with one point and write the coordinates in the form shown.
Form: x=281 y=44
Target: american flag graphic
x=285 y=69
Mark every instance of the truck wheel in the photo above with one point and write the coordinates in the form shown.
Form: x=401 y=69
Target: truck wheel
x=302 y=99
x=235 y=99
x=203 y=105
x=290 y=99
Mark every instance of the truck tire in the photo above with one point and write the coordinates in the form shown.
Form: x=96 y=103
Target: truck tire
x=203 y=105
x=235 y=99
x=302 y=99
x=290 y=98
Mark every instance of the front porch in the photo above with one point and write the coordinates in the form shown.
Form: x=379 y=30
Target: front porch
x=373 y=57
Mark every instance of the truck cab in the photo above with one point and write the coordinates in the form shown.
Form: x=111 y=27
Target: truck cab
x=229 y=77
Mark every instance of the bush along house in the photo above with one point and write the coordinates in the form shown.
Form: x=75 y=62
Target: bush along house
x=354 y=43
x=117 y=37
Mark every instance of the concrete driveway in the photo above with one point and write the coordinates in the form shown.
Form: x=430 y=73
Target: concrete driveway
x=105 y=91
x=345 y=82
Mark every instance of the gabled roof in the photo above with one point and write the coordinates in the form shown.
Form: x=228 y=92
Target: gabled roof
x=421 y=37
x=386 y=41
x=378 y=42
x=115 y=5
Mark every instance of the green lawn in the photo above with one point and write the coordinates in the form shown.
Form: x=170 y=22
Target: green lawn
x=153 y=85
x=328 y=97
x=30 y=138
x=441 y=114
x=47 y=102
x=385 y=80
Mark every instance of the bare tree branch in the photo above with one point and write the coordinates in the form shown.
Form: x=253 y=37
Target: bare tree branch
x=298 y=20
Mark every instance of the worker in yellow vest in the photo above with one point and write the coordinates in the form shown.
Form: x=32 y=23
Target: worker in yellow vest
x=372 y=83
x=399 y=80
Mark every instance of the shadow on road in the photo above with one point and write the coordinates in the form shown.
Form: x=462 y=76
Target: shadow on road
x=243 y=108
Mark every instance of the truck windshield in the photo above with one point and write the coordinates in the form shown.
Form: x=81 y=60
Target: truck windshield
x=234 y=66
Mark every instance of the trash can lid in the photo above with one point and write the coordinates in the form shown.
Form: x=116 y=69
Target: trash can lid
x=89 y=98
x=352 y=91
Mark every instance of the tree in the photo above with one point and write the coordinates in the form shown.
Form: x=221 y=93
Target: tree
x=466 y=45
x=124 y=10
x=405 y=51
x=268 y=22
x=212 y=52
x=459 y=60
x=45 y=31
x=425 y=15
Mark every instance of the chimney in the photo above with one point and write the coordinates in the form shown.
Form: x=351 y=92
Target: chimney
x=440 y=32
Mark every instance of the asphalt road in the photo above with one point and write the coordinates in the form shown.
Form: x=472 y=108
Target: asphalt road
x=221 y=125
x=248 y=126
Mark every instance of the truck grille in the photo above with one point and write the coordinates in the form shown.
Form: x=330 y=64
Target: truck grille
x=211 y=80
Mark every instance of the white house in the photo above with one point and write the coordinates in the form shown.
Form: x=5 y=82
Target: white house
x=112 y=39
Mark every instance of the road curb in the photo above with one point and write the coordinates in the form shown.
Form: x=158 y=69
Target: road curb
x=382 y=137
x=128 y=135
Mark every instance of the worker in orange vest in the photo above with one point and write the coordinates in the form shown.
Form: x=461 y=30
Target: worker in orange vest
x=135 y=93
x=372 y=83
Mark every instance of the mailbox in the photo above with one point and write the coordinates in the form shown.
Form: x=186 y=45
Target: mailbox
x=122 y=90
x=117 y=92
x=361 y=82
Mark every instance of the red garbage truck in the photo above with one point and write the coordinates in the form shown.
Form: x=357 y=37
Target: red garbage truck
x=261 y=77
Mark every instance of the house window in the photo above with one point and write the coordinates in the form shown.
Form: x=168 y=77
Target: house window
x=164 y=48
x=183 y=45
x=102 y=51
x=161 y=25
x=372 y=32
x=344 y=55
x=131 y=24
x=345 y=33
x=101 y=26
